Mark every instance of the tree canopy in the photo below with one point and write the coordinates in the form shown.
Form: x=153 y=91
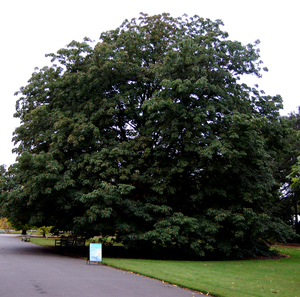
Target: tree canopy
x=151 y=136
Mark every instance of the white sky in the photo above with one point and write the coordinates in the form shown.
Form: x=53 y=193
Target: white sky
x=32 y=28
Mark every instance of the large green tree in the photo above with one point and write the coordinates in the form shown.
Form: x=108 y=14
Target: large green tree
x=149 y=135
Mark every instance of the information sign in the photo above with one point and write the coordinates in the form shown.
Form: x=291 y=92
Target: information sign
x=95 y=252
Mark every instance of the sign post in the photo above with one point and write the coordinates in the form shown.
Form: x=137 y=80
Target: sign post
x=95 y=252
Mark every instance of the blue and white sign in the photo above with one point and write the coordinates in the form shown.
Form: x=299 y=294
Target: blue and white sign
x=95 y=252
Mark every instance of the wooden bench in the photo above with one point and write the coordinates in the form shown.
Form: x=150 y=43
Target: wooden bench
x=64 y=241
x=79 y=241
x=26 y=237
x=69 y=241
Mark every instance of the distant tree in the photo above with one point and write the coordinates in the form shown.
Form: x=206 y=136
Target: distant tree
x=11 y=206
x=3 y=223
x=17 y=226
x=45 y=229
x=294 y=173
x=295 y=186
x=150 y=136
x=286 y=206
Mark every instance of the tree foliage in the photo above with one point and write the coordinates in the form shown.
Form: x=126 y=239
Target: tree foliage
x=292 y=179
x=295 y=188
x=295 y=175
x=149 y=135
x=286 y=206
x=3 y=223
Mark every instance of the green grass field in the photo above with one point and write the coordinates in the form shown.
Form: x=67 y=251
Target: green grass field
x=279 y=277
x=43 y=241
x=51 y=241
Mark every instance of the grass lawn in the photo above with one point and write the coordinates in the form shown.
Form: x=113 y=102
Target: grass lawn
x=51 y=241
x=280 y=277
x=43 y=241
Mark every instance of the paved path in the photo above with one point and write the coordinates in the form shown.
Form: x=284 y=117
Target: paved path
x=29 y=270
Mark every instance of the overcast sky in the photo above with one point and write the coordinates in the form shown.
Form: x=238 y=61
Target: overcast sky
x=32 y=28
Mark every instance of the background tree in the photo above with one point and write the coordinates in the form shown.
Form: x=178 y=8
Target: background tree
x=13 y=206
x=150 y=136
x=3 y=223
x=286 y=206
x=45 y=229
x=294 y=179
x=17 y=226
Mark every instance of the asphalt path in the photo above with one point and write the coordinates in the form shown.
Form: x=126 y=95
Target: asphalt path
x=28 y=270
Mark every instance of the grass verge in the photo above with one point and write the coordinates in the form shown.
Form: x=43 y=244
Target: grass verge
x=280 y=277
x=50 y=241
x=43 y=241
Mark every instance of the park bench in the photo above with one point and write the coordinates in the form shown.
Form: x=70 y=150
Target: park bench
x=69 y=241
x=64 y=241
x=79 y=241
x=26 y=237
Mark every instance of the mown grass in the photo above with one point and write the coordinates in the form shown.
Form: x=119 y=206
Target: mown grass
x=50 y=241
x=280 y=277
x=43 y=241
